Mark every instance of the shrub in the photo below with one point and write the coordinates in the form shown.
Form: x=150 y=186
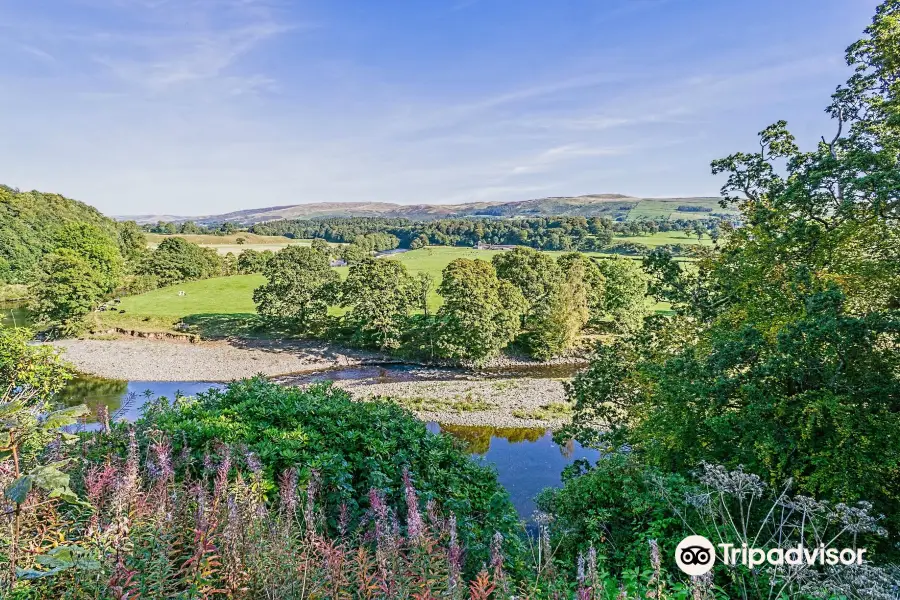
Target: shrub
x=354 y=446
x=217 y=535
x=614 y=506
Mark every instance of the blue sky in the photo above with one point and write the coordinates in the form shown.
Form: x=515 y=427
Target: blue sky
x=205 y=106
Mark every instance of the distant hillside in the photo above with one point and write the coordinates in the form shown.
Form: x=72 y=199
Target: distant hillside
x=616 y=206
x=29 y=222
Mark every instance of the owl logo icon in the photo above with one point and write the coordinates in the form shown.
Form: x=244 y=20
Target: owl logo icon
x=695 y=555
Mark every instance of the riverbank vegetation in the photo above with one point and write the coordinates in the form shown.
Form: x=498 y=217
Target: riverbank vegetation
x=783 y=352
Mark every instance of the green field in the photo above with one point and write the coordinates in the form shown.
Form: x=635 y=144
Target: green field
x=223 y=305
x=663 y=238
x=666 y=209
x=228 y=243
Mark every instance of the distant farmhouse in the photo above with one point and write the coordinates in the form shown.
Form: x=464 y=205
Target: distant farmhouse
x=483 y=246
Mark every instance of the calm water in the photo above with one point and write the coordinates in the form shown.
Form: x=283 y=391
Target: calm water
x=12 y=315
x=527 y=460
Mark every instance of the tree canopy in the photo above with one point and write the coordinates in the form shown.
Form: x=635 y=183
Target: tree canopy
x=299 y=288
x=782 y=355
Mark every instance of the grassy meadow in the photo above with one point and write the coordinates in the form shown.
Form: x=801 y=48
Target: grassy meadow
x=224 y=305
x=228 y=243
x=651 y=208
x=662 y=238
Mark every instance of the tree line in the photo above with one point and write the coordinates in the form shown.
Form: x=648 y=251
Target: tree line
x=542 y=233
x=522 y=297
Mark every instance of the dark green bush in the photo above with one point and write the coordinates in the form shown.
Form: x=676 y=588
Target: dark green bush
x=618 y=506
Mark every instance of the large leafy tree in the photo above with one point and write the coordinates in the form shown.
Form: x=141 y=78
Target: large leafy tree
x=85 y=268
x=177 y=259
x=594 y=280
x=301 y=285
x=535 y=273
x=783 y=352
x=66 y=291
x=95 y=246
x=380 y=294
x=624 y=292
x=556 y=323
x=132 y=242
x=481 y=313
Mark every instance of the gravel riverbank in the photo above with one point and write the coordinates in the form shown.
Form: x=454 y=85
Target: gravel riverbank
x=520 y=402
x=152 y=360
x=434 y=394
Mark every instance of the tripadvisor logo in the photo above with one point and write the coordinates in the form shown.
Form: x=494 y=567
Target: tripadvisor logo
x=696 y=555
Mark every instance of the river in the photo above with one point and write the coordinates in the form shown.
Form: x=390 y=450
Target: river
x=527 y=460
x=13 y=315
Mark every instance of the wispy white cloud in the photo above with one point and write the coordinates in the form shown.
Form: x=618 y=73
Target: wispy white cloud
x=202 y=106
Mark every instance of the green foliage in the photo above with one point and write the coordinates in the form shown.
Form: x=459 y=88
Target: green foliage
x=300 y=286
x=66 y=291
x=29 y=377
x=30 y=228
x=132 y=242
x=353 y=446
x=615 y=506
x=177 y=259
x=98 y=248
x=624 y=292
x=555 y=323
x=618 y=507
x=353 y=253
x=816 y=402
x=320 y=245
x=782 y=354
x=481 y=313
x=380 y=294
x=252 y=261
x=85 y=268
x=535 y=274
x=593 y=279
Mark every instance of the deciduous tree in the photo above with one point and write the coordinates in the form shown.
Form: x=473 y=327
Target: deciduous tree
x=380 y=295
x=300 y=286
x=481 y=313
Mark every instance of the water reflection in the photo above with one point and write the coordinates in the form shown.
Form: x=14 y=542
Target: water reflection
x=527 y=460
x=124 y=399
x=477 y=440
x=14 y=315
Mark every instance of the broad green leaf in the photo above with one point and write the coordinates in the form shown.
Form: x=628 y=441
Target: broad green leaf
x=66 y=416
x=28 y=574
x=50 y=478
x=18 y=490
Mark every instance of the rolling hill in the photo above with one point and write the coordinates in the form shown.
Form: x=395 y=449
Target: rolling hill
x=616 y=206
